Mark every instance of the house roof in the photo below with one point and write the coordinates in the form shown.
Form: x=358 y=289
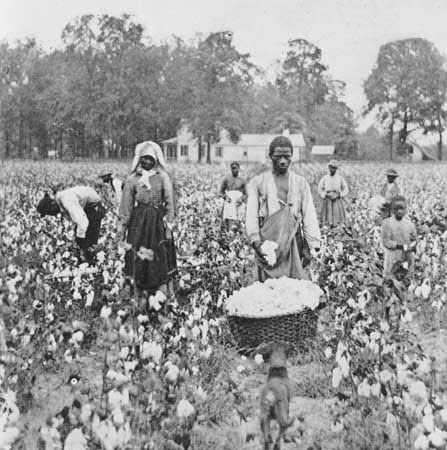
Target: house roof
x=170 y=141
x=249 y=140
x=323 y=150
x=427 y=153
x=264 y=140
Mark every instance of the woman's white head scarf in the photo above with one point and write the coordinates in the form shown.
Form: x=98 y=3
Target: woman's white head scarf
x=148 y=148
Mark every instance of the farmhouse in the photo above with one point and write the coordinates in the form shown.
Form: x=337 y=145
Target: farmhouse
x=322 y=153
x=250 y=147
x=423 y=147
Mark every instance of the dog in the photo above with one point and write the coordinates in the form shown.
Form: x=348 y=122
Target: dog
x=275 y=398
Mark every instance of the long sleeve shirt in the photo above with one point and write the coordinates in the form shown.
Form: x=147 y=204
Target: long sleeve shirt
x=263 y=201
x=395 y=232
x=117 y=186
x=332 y=183
x=389 y=190
x=160 y=195
x=73 y=201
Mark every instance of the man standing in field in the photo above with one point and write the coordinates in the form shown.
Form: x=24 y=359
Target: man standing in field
x=233 y=190
x=389 y=191
x=281 y=216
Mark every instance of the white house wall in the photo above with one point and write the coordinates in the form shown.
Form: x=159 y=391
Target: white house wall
x=417 y=155
x=231 y=151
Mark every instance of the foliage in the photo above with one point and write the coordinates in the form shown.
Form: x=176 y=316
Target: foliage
x=110 y=87
x=407 y=88
x=82 y=356
x=314 y=98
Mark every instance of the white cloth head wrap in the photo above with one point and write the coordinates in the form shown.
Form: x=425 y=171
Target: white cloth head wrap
x=148 y=148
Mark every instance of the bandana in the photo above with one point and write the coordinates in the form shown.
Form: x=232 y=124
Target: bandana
x=148 y=148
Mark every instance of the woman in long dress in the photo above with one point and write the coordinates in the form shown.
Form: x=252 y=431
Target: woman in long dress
x=146 y=215
x=332 y=189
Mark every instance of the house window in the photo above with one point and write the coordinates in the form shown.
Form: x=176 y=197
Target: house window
x=219 y=152
x=184 y=150
x=171 y=152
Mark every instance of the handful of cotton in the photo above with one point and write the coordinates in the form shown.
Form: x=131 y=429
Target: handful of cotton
x=268 y=249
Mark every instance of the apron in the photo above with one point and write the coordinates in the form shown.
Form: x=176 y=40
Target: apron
x=284 y=229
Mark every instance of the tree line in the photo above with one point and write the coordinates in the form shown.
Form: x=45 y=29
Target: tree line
x=407 y=92
x=109 y=86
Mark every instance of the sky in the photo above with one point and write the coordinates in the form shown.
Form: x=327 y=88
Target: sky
x=349 y=32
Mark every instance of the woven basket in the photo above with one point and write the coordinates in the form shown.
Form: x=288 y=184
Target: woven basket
x=295 y=329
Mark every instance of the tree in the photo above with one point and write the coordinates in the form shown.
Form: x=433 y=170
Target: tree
x=401 y=86
x=17 y=102
x=312 y=100
x=223 y=75
x=434 y=112
x=303 y=75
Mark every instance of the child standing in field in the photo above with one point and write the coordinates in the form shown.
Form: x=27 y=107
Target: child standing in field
x=398 y=238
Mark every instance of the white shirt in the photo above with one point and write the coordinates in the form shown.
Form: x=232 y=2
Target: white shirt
x=73 y=200
x=262 y=201
x=334 y=183
x=117 y=185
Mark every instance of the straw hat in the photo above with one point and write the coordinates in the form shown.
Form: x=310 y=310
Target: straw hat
x=333 y=163
x=391 y=173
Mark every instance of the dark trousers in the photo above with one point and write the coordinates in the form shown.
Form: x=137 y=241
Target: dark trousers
x=95 y=212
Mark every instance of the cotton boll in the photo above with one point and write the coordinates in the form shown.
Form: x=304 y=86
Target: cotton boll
x=115 y=399
x=337 y=427
x=424 y=366
x=75 y=440
x=200 y=394
x=8 y=436
x=364 y=389
x=268 y=249
x=385 y=376
x=259 y=359
x=437 y=438
x=184 y=409
x=106 y=311
x=151 y=350
x=77 y=337
x=195 y=332
x=118 y=417
x=336 y=377
x=375 y=389
x=86 y=413
x=422 y=443
x=429 y=423
x=418 y=390
x=172 y=374
x=124 y=352
x=117 y=378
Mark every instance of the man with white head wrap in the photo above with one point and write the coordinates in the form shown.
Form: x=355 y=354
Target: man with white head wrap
x=146 y=214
